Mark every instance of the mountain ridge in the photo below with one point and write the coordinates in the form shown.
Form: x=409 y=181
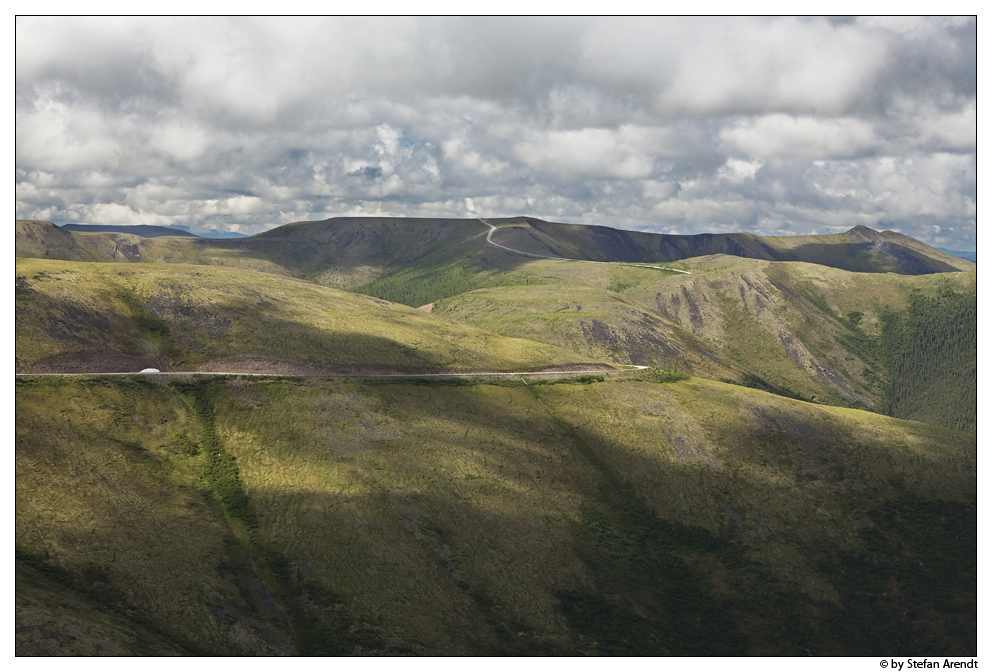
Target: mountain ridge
x=701 y=506
x=817 y=331
x=387 y=240
x=866 y=250
x=143 y=230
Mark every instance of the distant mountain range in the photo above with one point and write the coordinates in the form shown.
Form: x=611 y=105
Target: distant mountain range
x=861 y=249
x=607 y=244
x=970 y=256
x=146 y=231
x=352 y=248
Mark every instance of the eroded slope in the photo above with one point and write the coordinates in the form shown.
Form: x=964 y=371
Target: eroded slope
x=799 y=329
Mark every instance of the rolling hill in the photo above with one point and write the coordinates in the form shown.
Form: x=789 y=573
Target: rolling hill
x=703 y=506
x=740 y=313
x=95 y=317
x=807 y=331
x=324 y=516
x=335 y=251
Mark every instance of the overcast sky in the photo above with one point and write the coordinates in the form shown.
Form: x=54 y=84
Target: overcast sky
x=673 y=125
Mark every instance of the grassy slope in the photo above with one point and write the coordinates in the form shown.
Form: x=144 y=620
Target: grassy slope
x=818 y=501
x=599 y=243
x=603 y=324
x=341 y=252
x=450 y=270
x=347 y=252
x=184 y=316
x=788 y=324
x=45 y=240
x=642 y=314
x=867 y=251
x=781 y=325
x=105 y=492
x=626 y=517
x=785 y=325
x=620 y=517
x=932 y=353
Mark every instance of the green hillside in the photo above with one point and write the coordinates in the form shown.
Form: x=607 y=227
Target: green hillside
x=347 y=252
x=783 y=326
x=803 y=330
x=83 y=317
x=932 y=352
x=325 y=510
x=326 y=516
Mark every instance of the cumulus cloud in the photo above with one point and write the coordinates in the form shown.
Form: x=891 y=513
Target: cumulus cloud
x=596 y=153
x=738 y=171
x=783 y=136
x=754 y=65
x=772 y=125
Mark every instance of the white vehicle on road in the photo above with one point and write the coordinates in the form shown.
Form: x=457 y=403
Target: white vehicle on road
x=149 y=371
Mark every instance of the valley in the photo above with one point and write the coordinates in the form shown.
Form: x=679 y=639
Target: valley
x=597 y=442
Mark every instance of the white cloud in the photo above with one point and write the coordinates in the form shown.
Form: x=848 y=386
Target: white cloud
x=655 y=190
x=760 y=65
x=116 y=214
x=461 y=155
x=180 y=141
x=587 y=153
x=738 y=171
x=697 y=123
x=783 y=136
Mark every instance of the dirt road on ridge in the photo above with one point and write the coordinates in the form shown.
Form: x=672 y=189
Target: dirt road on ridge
x=492 y=229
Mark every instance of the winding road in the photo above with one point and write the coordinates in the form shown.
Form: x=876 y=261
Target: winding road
x=489 y=239
x=492 y=229
x=499 y=375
